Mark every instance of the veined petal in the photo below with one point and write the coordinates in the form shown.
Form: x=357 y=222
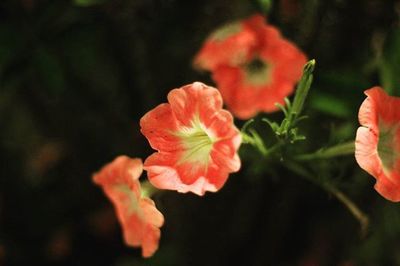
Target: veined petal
x=202 y=126
x=378 y=141
x=157 y=126
x=165 y=173
x=193 y=100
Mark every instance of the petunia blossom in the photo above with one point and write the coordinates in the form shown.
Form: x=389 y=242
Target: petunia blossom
x=139 y=218
x=232 y=44
x=195 y=139
x=254 y=67
x=378 y=141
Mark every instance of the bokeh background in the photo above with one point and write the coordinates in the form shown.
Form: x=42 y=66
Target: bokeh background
x=76 y=77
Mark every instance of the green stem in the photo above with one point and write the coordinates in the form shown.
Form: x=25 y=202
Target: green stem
x=148 y=190
x=351 y=206
x=346 y=148
x=274 y=148
x=361 y=217
x=256 y=141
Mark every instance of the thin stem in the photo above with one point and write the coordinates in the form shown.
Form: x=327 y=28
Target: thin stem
x=273 y=148
x=351 y=206
x=361 y=217
x=334 y=151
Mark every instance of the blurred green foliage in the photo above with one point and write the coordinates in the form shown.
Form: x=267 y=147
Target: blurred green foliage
x=75 y=78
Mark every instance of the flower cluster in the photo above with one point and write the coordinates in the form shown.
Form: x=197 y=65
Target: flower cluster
x=253 y=66
x=197 y=143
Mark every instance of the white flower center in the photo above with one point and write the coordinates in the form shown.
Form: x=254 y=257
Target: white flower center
x=197 y=143
x=258 y=72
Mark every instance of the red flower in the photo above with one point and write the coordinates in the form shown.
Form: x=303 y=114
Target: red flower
x=254 y=67
x=138 y=216
x=378 y=141
x=196 y=141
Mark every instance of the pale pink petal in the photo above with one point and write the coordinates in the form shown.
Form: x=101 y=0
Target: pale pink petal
x=377 y=141
x=366 y=151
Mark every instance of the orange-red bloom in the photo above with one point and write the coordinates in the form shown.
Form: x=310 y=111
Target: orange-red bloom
x=378 y=141
x=253 y=66
x=138 y=216
x=196 y=141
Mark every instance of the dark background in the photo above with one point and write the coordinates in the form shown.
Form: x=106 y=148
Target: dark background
x=76 y=77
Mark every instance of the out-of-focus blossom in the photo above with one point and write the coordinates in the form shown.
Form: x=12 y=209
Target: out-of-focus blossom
x=378 y=141
x=253 y=66
x=233 y=44
x=196 y=141
x=138 y=216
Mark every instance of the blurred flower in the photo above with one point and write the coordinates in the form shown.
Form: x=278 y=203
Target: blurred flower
x=378 y=141
x=233 y=44
x=139 y=218
x=253 y=66
x=196 y=141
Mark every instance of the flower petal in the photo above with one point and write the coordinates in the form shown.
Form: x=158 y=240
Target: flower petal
x=248 y=92
x=122 y=170
x=158 y=125
x=378 y=141
x=194 y=99
x=241 y=100
x=165 y=173
x=139 y=218
x=231 y=49
x=366 y=151
x=201 y=125
x=151 y=232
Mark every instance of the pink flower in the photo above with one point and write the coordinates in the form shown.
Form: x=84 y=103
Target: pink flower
x=253 y=66
x=196 y=141
x=138 y=216
x=378 y=141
